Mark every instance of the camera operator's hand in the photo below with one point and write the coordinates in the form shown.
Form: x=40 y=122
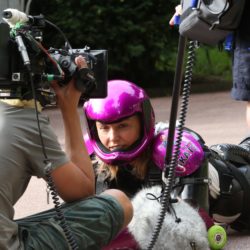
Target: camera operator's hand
x=74 y=180
x=68 y=96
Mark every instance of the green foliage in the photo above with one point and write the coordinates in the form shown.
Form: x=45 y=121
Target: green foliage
x=213 y=62
x=142 y=46
x=136 y=33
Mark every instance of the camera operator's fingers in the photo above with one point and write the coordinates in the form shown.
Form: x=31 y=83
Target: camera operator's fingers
x=68 y=96
x=81 y=62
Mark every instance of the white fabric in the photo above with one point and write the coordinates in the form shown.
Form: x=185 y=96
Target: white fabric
x=214 y=181
x=173 y=235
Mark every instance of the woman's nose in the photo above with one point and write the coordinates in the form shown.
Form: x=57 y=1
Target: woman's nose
x=113 y=135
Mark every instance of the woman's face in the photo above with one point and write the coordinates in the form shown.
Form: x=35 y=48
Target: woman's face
x=119 y=135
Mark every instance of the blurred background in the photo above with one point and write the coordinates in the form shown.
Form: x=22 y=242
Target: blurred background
x=141 y=45
x=142 y=48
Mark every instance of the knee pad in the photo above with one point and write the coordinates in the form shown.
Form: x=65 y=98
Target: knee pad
x=232 y=204
x=227 y=206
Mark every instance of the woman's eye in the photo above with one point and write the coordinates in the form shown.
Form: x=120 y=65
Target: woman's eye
x=123 y=125
x=103 y=127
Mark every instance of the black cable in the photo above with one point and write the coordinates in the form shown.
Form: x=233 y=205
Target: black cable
x=68 y=233
x=231 y=150
x=60 y=216
x=182 y=117
x=60 y=31
x=59 y=213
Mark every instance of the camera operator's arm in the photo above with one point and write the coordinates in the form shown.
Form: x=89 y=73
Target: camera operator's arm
x=75 y=179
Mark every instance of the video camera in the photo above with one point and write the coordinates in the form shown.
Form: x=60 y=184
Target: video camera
x=22 y=56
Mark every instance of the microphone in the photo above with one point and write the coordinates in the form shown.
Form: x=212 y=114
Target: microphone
x=13 y=16
x=182 y=228
x=23 y=51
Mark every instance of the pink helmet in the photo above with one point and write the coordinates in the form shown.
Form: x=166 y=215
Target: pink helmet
x=191 y=152
x=124 y=99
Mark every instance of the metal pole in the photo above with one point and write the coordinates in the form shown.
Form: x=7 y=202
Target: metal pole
x=175 y=99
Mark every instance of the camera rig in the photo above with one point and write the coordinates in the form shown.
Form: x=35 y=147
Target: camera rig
x=23 y=57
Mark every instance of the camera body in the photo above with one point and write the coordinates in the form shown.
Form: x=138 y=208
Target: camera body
x=46 y=66
x=97 y=61
x=13 y=71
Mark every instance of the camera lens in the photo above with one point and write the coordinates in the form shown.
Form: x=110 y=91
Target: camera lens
x=65 y=63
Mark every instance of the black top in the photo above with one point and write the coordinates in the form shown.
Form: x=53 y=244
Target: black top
x=126 y=181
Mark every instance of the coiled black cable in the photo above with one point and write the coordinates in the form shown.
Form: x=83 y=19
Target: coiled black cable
x=59 y=213
x=231 y=150
x=68 y=234
x=171 y=170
